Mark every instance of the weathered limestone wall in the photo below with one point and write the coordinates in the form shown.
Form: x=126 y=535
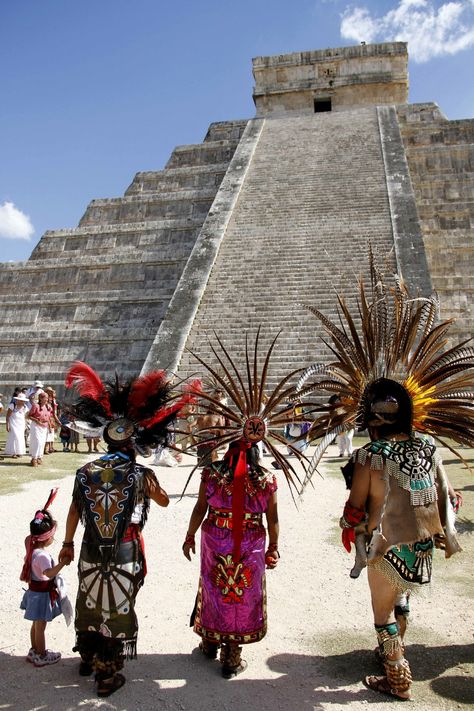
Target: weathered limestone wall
x=99 y=292
x=440 y=156
x=363 y=75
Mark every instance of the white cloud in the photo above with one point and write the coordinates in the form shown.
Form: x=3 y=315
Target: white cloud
x=14 y=224
x=430 y=30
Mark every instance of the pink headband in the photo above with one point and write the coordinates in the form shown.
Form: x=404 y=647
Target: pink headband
x=30 y=545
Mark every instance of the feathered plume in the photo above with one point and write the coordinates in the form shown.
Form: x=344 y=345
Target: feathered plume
x=251 y=405
x=51 y=497
x=394 y=336
x=88 y=384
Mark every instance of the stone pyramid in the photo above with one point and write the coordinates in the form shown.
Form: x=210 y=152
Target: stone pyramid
x=267 y=213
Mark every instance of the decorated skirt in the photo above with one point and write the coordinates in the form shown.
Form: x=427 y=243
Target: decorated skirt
x=107 y=591
x=231 y=601
x=407 y=566
x=410 y=469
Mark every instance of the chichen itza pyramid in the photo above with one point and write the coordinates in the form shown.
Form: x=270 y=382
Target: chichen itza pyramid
x=264 y=214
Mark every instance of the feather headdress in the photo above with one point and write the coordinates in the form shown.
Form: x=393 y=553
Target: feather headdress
x=393 y=338
x=252 y=413
x=138 y=410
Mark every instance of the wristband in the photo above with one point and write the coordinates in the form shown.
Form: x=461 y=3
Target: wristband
x=68 y=544
x=189 y=539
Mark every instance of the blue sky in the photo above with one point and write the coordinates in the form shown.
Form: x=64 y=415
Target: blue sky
x=95 y=90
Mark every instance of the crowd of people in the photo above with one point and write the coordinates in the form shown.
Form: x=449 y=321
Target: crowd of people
x=35 y=421
x=400 y=390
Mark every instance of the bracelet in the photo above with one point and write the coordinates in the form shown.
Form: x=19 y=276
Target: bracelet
x=189 y=539
x=68 y=544
x=272 y=548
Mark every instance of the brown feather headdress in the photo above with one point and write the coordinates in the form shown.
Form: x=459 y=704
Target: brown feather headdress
x=394 y=337
x=252 y=413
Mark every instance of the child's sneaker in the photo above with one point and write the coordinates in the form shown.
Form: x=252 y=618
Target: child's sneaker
x=48 y=658
x=30 y=657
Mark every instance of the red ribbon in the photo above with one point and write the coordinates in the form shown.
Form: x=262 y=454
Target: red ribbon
x=352 y=516
x=238 y=493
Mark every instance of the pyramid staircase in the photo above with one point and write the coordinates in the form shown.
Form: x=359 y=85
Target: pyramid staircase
x=315 y=194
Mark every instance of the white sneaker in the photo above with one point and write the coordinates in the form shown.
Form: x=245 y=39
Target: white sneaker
x=30 y=657
x=48 y=657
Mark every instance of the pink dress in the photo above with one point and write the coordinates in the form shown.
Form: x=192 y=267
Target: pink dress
x=231 y=601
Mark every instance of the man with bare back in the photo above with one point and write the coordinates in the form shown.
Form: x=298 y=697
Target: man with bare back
x=400 y=489
x=208 y=426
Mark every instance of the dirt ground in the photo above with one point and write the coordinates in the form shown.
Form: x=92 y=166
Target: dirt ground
x=320 y=634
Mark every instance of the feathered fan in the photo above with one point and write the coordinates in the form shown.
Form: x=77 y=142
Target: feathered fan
x=252 y=413
x=395 y=338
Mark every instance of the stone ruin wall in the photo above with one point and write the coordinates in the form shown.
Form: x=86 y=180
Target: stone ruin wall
x=440 y=156
x=351 y=77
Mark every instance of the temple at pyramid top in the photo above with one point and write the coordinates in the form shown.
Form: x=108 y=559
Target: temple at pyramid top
x=331 y=79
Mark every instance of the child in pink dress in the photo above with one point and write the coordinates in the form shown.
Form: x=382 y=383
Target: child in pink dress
x=41 y=601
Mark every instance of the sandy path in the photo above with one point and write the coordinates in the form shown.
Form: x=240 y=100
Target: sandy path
x=320 y=634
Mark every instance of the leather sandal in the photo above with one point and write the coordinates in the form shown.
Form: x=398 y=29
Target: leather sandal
x=381 y=684
x=106 y=687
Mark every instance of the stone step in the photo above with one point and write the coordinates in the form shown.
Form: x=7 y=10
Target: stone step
x=61 y=316
x=226 y=130
x=439 y=160
x=175 y=235
x=185 y=204
x=205 y=153
x=449 y=134
x=174 y=179
x=305 y=212
x=130 y=275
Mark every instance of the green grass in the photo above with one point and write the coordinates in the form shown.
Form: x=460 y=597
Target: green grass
x=16 y=473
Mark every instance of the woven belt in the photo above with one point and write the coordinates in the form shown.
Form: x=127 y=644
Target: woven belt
x=48 y=586
x=222 y=518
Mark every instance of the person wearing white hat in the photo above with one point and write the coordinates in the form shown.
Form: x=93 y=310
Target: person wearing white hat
x=15 y=424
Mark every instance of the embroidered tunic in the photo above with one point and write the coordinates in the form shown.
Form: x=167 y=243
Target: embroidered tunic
x=111 y=496
x=231 y=601
x=402 y=546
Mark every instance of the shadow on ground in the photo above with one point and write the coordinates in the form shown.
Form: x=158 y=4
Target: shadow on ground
x=178 y=681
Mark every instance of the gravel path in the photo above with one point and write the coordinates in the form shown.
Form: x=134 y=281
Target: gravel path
x=320 y=637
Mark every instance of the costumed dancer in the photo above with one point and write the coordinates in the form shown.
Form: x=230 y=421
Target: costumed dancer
x=112 y=497
x=396 y=377
x=234 y=494
x=41 y=602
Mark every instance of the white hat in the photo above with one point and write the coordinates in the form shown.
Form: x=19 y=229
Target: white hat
x=38 y=384
x=20 y=397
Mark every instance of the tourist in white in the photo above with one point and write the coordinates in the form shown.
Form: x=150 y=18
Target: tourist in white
x=39 y=417
x=15 y=424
